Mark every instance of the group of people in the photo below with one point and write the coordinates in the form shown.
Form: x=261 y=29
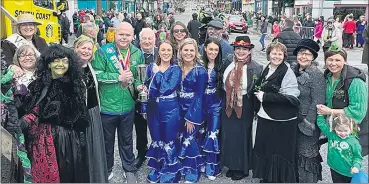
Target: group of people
x=201 y=107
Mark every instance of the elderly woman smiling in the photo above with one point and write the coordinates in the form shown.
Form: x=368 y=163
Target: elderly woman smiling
x=312 y=87
x=25 y=59
x=26 y=34
x=346 y=92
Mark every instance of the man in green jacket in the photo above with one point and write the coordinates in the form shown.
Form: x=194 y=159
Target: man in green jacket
x=115 y=66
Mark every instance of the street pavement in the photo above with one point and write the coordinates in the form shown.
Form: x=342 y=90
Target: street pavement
x=354 y=58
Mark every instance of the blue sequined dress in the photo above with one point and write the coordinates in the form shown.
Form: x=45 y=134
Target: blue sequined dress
x=162 y=111
x=212 y=111
x=191 y=109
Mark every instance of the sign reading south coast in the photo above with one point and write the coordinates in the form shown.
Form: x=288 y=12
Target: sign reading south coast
x=40 y=16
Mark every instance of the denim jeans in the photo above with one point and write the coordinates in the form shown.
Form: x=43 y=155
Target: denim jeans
x=262 y=38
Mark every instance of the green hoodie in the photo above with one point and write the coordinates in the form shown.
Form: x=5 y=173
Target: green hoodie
x=113 y=99
x=343 y=154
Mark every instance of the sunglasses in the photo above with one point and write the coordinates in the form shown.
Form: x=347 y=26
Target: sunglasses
x=179 y=31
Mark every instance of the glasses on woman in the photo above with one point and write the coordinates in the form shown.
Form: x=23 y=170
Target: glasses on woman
x=304 y=54
x=179 y=30
x=26 y=55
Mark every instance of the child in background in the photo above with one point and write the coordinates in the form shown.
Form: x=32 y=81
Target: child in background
x=344 y=150
x=161 y=34
x=276 y=29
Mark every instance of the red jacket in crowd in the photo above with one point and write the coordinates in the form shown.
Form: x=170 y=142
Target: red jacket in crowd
x=349 y=27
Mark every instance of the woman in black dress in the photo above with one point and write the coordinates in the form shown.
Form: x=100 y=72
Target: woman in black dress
x=275 y=142
x=56 y=119
x=238 y=110
x=83 y=46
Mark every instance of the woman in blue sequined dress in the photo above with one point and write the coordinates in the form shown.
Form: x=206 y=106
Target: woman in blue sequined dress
x=194 y=81
x=162 y=110
x=212 y=108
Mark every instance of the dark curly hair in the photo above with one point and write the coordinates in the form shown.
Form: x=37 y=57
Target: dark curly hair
x=217 y=62
x=43 y=73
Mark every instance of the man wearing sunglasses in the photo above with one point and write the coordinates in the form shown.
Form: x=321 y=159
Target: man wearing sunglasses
x=215 y=29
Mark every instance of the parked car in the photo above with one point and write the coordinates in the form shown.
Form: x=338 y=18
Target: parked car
x=237 y=23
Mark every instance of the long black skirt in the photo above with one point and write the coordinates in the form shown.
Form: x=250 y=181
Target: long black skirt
x=96 y=148
x=236 y=142
x=275 y=151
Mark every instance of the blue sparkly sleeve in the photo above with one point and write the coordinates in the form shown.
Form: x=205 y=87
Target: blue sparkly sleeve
x=195 y=111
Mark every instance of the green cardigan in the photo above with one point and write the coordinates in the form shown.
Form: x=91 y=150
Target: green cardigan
x=358 y=91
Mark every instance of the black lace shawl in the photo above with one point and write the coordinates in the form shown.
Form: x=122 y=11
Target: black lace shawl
x=61 y=106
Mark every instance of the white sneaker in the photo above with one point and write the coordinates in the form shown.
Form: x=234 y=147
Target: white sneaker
x=187 y=182
x=212 y=178
x=202 y=169
x=110 y=176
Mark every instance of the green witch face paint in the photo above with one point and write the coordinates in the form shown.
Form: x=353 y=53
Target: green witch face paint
x=59 y=67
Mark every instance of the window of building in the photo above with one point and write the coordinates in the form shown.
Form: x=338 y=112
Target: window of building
x=44 y=3
x=298 y=11
x=307 y=9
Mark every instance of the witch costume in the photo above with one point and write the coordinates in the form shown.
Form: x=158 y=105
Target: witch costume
x=191 y=99
x=238 y=112
x=162 y=112
x=275 y=141
x=56 y=119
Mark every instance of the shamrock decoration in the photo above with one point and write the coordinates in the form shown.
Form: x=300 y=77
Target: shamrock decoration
x=334 y=47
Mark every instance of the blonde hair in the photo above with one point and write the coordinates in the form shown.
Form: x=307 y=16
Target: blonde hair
x=185 y=42
x=20 y=50
x=343 y=120
x=82 y=40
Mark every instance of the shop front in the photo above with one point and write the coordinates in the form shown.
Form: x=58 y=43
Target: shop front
x=341 y=10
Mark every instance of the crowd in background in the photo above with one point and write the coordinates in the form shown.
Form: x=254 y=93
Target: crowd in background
x=64 y=106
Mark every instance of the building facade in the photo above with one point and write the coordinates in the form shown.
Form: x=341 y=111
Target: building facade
x=248 y=5
x=357 y=7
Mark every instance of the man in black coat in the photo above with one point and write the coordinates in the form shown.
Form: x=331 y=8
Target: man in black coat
x=290 y=39
x=194 y=27
x=140 y=24
x=65 y=26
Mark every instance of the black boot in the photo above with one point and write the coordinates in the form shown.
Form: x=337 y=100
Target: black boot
x=140 y=159
x=238 y=175
x=264 y=181
x=229 y=173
